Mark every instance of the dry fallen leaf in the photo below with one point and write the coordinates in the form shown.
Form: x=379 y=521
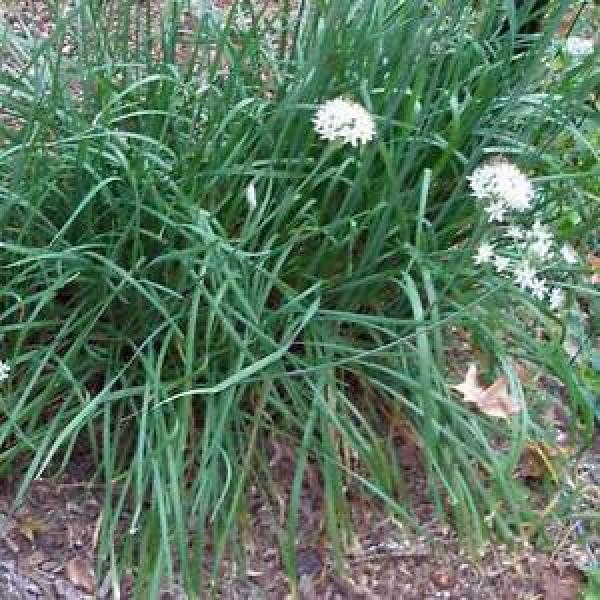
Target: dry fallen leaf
x=307 y=588
x=29 y=527
x=560 y=587
x=494 y=401
x=80 y=574
x=593 y=262
x=539 y=459
x=444 y=580
x=35 y=559
x=525 y=372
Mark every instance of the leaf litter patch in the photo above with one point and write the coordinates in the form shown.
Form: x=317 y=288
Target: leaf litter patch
x=48 y=546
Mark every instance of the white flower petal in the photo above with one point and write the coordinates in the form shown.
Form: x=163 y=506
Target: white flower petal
x=4 y=371
x=485 y=253
x=496 y=211
x=501 y=263
x=540 y=232
x=578 y=47
x=541 y=249
x=568 y=254
x=515 y=232
x=539 y=289
x=525 y=275
x=251 y=196
x=557 y=299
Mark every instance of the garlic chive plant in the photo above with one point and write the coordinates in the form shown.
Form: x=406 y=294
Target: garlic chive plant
x=195 y=268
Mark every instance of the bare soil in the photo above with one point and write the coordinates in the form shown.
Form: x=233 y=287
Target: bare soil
x=48 y=547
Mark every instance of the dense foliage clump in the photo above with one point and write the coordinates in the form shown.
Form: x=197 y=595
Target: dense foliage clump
x=266 y=226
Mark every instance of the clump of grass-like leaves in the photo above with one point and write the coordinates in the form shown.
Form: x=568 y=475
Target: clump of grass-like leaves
x=186 y=266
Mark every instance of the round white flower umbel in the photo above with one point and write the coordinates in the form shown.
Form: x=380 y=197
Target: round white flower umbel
x=504 y=185
x=345 y=121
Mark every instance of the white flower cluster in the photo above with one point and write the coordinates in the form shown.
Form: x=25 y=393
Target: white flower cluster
x=503 y=188
x=345 y=121
x=4 y=371
x=512 y=250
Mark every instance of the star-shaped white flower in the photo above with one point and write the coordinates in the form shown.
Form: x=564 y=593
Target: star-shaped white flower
x=541 y=249
x=540 y=232
x=515 y=232
x=539 y=289
x=525 y=275
x=501 y=263
x=568 y=254
x=557 y=299
x=496 y=211
x=485 y=253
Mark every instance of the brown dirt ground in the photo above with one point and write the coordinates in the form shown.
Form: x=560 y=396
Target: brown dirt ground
x=48 y=545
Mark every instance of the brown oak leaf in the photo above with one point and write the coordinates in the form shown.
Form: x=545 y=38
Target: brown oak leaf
x=80 y=574
x=494 y=401
x=30 y=527
x=593 y=262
